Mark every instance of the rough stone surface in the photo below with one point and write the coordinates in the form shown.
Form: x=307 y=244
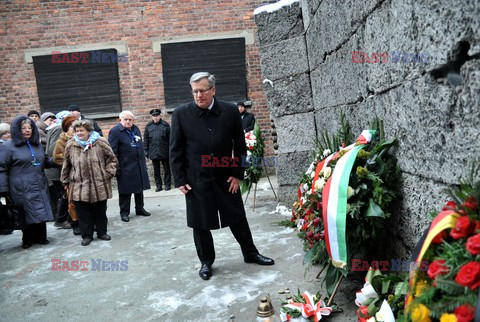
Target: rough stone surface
x=289 y=95
x=293 y=138
x=276 y=59
x=282 y=24
x=339 y=81
x=333 y=24
x=309 y=8
x=291 y=166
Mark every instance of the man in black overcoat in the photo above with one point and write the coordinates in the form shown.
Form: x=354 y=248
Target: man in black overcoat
x=132 y=176
x=203 y=136
x=248 y=119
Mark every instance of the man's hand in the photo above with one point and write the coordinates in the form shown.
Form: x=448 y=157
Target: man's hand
x=185 y=188
x=234 y=184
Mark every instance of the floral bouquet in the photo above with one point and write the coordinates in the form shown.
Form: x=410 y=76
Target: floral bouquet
x=255 y=150
x=448 y=290
x=381 y=298
x=304 y=307
x=344 y=199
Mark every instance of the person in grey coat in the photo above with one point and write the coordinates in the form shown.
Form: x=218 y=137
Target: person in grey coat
x=156 y=137
x=22 y=160
x=204 y=134
x=132 y=176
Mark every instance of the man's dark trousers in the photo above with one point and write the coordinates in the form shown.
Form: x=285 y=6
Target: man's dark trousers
x=241 y=231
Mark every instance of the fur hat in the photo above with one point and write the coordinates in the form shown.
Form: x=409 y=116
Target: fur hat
x=4 y=128
x=67 y=121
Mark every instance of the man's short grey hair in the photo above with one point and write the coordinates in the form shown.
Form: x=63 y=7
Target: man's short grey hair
x=125 y=113
x=198 y=76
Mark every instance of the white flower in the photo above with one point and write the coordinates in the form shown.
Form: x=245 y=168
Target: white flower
x=305 y=187
x=327 y=172
x=326 y=153
x=319 y=184
x=312 y=175
x=371 y=319
x=385 y=313
x=137 y=138
x=350 y=192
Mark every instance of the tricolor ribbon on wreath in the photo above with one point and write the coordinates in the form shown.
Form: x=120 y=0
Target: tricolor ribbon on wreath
x=310 y=308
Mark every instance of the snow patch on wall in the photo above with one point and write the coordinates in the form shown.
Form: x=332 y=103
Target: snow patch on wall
x=274 y=6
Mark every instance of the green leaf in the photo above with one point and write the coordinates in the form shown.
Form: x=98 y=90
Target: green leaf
x=331 y=278
x=377 y=284
x=385 y=286
x=374 y=307
x=374 y=210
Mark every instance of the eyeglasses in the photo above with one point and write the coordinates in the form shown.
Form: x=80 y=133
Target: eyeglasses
x=201 y=91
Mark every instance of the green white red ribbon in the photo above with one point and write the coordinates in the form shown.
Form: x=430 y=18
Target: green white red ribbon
x=334 y=199
x=310 y=308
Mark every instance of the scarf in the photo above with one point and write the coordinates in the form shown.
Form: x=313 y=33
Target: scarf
x=87 y=144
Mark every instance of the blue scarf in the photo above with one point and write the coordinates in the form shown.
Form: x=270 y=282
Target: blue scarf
x=87 y=144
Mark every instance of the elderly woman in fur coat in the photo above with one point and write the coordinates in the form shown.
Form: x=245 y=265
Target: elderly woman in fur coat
x=88 y=168
x=22 y=161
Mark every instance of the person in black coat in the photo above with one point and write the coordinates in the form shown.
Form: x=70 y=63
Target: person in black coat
x=204 y=134
x=22 y=161
x=156 y=137
x=132 y=177
x=248 y=120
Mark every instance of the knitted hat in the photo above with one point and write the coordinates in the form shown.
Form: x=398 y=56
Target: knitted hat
x=67 y=121
x=32 y=112
x=73 y=107
x=46 y=116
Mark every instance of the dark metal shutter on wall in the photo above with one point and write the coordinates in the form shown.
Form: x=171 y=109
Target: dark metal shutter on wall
x=225 y=58
x=91 y=83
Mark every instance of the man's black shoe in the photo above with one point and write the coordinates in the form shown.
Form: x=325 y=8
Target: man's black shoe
x=104 y=237
x=86 y=241
x=167 y=188
x=77 y=231
x=205 y=271
x=143 y=212
x=260 y=260
x=125 y=218
x=158 y=189
x=26 y=245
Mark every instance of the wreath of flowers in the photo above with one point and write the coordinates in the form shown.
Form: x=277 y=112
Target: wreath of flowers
x=255 y=151
x=372 y=187
x=305 y=307
x=448 y=290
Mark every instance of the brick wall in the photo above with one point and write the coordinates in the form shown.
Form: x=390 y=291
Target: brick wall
x=26 y=25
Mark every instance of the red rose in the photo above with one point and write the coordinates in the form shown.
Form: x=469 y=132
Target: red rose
x=451 y=205
x=437 y=268
x=316 y=222
x=477 y=226
x=470 y=203
x=362 y=313
x=464 y=313
x=439 y=238
x=309 y=234
x=462 y=228
x=473 y=245
x=319 y=206
x=317 y=236
x=469 y=275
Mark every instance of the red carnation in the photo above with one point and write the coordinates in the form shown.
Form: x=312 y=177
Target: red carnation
x=469 y=275
x=473 y=245
x=316 y=222
x=451 y=205
x=439 y=238
x=464 y=313
x=471 y=203
x=462 y=228
x=309 y=234
x=437 y=268
x=317 y=236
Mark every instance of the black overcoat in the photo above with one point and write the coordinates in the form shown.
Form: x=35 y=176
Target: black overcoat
x=200 y=135
x=26 y=183
x=248 y=121
x=132 y=175
x=156 y=138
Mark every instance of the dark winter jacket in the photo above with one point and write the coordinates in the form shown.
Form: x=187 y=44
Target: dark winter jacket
x=248 y=121
x=132 y=176
x=52 y=136
x=207 y=136
x=25 y=182
x=156 y=139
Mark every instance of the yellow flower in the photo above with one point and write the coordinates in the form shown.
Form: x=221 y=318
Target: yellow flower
x=361 y=172
x=420 y=287
x=326 y=172
x=448 y=317
x=421 y=313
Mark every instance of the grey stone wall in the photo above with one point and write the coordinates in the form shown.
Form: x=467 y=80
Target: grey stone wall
x=432 y=107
